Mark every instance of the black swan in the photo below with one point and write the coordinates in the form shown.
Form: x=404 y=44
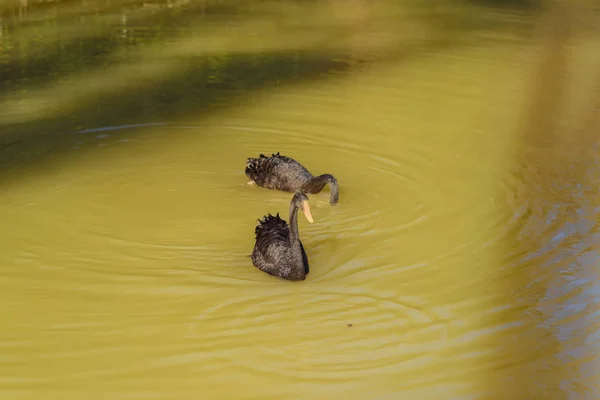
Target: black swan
x=284 y=173
x=278 y=250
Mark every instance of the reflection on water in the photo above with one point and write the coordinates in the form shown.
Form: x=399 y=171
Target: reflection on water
x=458 y=264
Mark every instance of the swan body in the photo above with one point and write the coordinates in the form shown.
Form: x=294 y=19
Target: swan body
x=278 y=250
x=278 y=172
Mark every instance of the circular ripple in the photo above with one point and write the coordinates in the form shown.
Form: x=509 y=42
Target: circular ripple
x=384 y=332
x=385 y=198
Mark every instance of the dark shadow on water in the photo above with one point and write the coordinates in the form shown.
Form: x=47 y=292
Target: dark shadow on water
x=194 y=86
x=198 y=85
x=192 y=90
x=89 y=38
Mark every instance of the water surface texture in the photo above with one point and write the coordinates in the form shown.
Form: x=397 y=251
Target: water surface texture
x=460 y=263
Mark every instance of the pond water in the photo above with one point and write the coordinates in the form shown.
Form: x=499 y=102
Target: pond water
x=460 y=262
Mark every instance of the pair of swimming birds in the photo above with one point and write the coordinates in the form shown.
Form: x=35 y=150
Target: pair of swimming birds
x=278 y=250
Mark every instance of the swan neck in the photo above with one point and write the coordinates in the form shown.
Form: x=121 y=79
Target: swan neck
x=319 y=182
x=295 y=238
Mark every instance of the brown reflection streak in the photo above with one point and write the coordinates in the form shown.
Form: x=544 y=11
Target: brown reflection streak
x=553 y=166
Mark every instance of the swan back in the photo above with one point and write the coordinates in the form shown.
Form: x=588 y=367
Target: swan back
x=277 y=172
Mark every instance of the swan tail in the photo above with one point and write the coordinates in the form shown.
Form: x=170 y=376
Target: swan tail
x=255 y=165
x=269 y=221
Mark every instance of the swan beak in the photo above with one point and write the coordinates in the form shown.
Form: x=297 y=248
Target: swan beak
x=306 y=211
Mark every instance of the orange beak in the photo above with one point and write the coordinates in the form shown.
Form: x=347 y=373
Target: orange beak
x=306 y=211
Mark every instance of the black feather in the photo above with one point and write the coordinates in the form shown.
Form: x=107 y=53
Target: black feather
x=279 y=172
x=274 y=247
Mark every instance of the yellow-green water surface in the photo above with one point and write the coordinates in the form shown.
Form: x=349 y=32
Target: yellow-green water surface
x=458 y=264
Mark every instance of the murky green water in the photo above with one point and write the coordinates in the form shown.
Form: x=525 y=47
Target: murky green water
x=460 y=262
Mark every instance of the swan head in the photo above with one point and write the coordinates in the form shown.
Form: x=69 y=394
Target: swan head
x=301 y=201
